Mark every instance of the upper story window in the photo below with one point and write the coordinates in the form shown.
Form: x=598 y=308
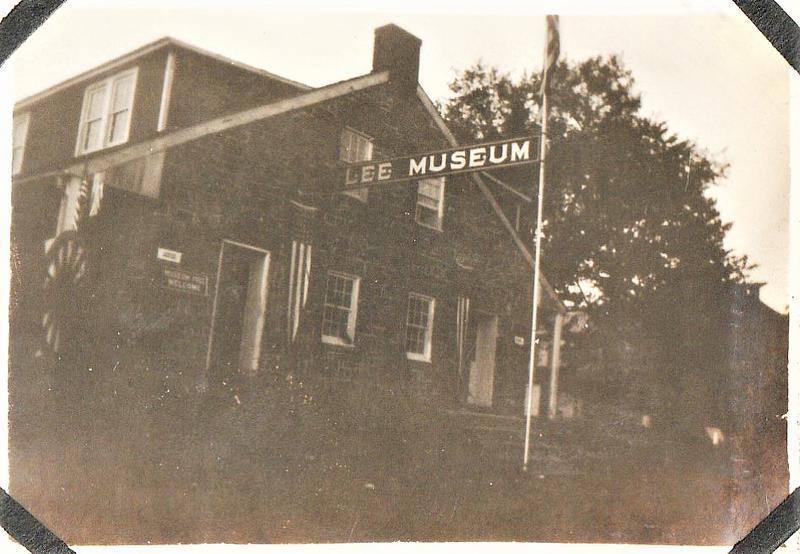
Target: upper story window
x=341 y=307
x=419 y=327
x=18 y=138
x=430 y=203
x=355 y=147
x=106 y=114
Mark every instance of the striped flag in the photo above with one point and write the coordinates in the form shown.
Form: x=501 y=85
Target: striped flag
x=552 y=49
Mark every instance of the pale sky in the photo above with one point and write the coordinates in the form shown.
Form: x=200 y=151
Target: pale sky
x=711 y=76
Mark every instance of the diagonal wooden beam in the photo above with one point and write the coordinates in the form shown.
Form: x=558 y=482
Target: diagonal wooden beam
x=103 y=162
x=545 y=284
x=437 y=118
x=506 y=187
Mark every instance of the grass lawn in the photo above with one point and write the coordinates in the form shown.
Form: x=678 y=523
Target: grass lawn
x=273 y=463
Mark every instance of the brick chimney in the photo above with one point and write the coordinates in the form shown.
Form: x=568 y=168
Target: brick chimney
x=397 y=51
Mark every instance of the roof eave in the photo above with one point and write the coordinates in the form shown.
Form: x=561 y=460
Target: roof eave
x=94 y=72
x=143 y=51
x=308 y=99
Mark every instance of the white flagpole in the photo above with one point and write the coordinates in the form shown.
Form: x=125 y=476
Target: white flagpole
x=536 y=265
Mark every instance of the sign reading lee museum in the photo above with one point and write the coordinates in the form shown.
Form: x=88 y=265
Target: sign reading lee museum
x=463 y=159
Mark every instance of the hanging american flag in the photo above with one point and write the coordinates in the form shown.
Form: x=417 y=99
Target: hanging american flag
x=552 y=49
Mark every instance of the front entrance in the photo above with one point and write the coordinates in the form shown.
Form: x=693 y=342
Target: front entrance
x=239 y=310
x=482 y=366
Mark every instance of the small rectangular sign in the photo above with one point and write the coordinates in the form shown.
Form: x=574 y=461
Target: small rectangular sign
x=463 y=159
x=185 y=281
x=169 y=255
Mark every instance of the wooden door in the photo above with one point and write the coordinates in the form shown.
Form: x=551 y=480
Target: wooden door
x=481 y=377
x=255 y=308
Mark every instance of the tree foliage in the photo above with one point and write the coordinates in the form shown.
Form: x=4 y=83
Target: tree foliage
x=627 y=211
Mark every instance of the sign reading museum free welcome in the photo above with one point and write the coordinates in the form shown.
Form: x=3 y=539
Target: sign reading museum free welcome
x=463 y=159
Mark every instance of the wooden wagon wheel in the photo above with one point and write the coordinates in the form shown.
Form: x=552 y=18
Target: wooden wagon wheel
x=63 y=283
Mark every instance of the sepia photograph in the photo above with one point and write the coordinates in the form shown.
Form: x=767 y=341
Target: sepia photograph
x=368 y=273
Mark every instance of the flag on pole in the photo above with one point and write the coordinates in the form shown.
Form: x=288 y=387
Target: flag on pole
x=552 y=49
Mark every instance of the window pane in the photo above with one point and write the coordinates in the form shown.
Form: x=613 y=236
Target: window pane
x=16 y=160
x=96 y=105
x=355 y=147
x=415 y=342
x=107 y=112
x=417 y=325
x=20 y=126
x=364 y=150
x=338 y=314
x=118 y=127
x=334 y=322
x=92 y=135
x=431 y=188
x=18 y=142
x=123 y=94
x=430 y=197
x=339 y=291
x=429 y=203
x=429 y=218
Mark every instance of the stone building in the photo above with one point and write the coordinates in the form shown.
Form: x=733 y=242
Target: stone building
x=183 y=209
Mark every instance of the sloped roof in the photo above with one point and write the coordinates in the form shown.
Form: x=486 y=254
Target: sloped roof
x=308 y=98
x=102 y=161
x=143 y=51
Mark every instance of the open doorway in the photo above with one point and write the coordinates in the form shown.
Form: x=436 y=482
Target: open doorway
x=239 y=311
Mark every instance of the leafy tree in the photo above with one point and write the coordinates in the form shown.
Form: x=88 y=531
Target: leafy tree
x=627 y=213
